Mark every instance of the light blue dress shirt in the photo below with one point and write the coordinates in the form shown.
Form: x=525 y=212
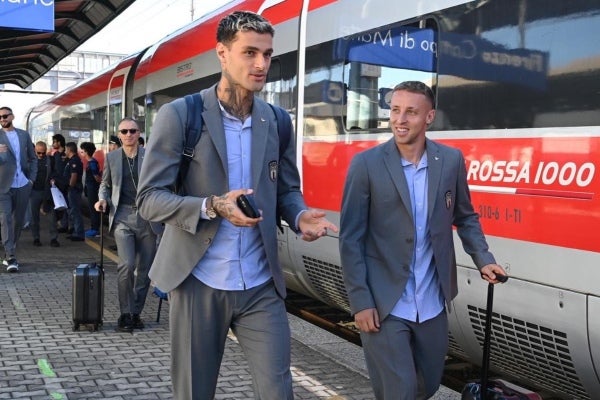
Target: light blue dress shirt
x=20 y=179
x=236 y=259
x=422 y=298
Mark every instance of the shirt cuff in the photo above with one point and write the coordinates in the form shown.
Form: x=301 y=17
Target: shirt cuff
x=297 y=221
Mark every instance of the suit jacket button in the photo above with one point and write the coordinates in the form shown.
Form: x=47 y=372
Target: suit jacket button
x=405 y=268
x=409 y=240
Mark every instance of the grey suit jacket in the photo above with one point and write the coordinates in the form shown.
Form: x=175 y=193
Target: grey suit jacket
x=377 y=229
x=187 y=235
x=8 y=161
x=112 y=178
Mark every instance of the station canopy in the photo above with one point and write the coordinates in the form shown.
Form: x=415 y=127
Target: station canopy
x=26 y=55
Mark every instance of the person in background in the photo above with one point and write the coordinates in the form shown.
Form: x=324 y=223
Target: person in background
x=40 y=196
x=141 y=141
x=18 y=170
x=136 y=242
x=227 y=274
x=400 y=202
x=73 y=178
x=59 y=161
x=93 y=177
x=113 y=143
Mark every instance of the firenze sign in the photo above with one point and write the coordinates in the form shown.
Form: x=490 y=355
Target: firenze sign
x=36 y=15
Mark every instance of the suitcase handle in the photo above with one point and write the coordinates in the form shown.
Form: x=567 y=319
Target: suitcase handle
x=102 y=240
x=485 y=363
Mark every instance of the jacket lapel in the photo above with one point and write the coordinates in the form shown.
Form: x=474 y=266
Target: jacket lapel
x=393 y=163
x=141 y=154
x=213 y=125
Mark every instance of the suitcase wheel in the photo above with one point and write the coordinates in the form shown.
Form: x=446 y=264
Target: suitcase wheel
x=95 y=327
x=75 y=326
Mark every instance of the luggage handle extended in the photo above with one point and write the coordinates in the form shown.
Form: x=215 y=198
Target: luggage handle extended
x=485 y=363
x=102 y=239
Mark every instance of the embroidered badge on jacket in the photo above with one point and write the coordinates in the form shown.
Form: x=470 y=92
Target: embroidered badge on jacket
x=273 y=167
x=448 y=199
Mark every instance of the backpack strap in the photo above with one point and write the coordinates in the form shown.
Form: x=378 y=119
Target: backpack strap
x=193 y=130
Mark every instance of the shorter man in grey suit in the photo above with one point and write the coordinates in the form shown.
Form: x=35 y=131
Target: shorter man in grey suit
x=136 y=242
x=18 y=170
x=400 y=201
x=40 y=196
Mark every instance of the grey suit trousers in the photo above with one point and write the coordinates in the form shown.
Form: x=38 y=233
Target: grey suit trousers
x=13 y=205
x=200 y=318
x=406 y=359
x=136 y=246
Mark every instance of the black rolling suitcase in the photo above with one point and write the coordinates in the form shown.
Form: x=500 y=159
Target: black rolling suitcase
x=88 y=290
x=496 y=388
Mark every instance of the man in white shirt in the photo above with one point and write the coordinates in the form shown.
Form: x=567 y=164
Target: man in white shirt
x=19 y=170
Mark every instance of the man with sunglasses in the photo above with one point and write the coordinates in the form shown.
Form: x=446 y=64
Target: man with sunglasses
x=136 y=242
x=40 y=196
x=17 y=173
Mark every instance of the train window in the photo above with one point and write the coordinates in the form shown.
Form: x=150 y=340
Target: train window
x=349 y=81
x=152 y=102
x=281 y=84
x=376 y=61
x=115 y=116
x=519 y=67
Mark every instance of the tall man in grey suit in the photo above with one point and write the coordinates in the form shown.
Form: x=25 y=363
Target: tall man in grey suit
x=400 y=202
x=219 y=266
x=136 y=242
x=18 y=170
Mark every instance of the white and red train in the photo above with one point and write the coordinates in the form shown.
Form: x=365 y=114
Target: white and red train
x=518 y=91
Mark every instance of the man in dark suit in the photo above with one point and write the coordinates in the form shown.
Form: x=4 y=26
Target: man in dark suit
x=136 y=242
x=400 y=202
x=40 y=196
x=18 y=170
x=220 y=266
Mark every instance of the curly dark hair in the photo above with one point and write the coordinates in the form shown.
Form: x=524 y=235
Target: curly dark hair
x=89 y=148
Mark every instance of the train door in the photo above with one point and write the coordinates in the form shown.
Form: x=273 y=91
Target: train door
x=116 y=100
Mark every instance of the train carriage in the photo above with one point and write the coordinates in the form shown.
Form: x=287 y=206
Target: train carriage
x=518 y=91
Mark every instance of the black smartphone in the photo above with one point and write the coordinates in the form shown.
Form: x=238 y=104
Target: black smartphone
x=246 y=204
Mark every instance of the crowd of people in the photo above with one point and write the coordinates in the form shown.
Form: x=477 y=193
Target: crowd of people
x=28 y=174
x=396 y=240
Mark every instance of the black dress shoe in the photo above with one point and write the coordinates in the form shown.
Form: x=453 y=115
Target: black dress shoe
x=54 y=243
x=124 y=324
x=136 y=321
x=37 y=243
x=77 y=239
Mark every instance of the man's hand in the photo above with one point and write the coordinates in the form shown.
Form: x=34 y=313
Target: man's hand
x=367 y=320
x=100 y=205
x=313 y=225
x=489 y=272
x=226 y=207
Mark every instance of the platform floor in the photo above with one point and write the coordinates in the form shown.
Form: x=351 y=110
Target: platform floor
x=42 y=358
